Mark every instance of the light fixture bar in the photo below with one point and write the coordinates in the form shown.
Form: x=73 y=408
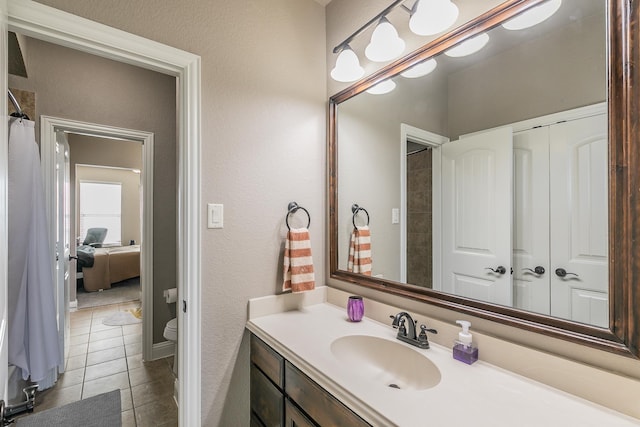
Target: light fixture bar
x=373 y=20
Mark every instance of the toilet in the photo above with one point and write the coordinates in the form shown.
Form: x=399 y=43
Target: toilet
x=171 y=334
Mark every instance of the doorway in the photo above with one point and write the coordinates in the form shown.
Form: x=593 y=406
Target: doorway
x=52 y=129
x=419 y=251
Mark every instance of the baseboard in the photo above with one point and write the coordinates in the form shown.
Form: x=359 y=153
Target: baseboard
x=73 y=305
x=162 y=349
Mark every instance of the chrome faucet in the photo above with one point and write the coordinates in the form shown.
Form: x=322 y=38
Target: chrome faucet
x=408 y=333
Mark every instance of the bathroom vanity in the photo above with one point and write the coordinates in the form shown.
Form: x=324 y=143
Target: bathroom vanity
x=280 y=392
x=310 y=364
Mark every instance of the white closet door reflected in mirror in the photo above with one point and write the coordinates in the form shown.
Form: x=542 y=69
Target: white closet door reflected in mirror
x=542 y=245
x=476 y=213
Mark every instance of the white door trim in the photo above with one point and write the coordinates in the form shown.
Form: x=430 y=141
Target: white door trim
x=48 y=128
x=419 y=136
x=52 y=25
x=4 y=141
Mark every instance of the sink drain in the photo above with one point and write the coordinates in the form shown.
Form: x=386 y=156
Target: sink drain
x=394 y=386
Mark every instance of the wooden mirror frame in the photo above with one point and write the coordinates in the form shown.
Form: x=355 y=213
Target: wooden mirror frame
x=623 y=335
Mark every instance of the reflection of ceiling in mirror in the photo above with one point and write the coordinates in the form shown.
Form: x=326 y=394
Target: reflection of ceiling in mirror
x=555 y=66
x=571 y=13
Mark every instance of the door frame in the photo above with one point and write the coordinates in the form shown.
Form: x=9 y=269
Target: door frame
x=55 y=26
x=48 y=128
x=430 y=139
x=4 y=141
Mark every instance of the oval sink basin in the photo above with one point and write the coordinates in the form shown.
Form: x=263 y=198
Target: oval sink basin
x=386 y=363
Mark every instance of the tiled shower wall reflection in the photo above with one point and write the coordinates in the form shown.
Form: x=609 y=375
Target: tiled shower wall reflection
x=419 y=208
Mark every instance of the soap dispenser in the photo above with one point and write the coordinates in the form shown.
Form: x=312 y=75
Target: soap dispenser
x=463 y=348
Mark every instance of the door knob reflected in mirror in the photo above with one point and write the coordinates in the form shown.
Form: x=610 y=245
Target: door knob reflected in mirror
x=539 y=270
x=499 y=270
x=561 y=272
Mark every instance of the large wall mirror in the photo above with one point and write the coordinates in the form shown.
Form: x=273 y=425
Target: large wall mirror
x=498 y=181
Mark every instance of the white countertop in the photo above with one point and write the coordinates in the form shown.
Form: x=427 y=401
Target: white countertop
x=478 y=395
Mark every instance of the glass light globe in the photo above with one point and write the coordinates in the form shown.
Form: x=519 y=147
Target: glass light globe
x=385 y=43
x=469 y=46
x=432 y=17
x=421 y=69
x=533 y=16
x=382 y=87
x=347 y=67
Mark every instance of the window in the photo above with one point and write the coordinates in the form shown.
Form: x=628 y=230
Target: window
x=101 y=206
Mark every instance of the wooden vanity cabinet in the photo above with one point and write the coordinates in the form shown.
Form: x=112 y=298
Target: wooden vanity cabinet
x=281 y=395
x=267 y=385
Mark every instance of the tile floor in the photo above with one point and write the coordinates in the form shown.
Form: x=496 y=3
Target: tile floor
x=104 y=358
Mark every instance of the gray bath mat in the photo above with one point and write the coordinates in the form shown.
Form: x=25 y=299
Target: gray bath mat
x=102 y=410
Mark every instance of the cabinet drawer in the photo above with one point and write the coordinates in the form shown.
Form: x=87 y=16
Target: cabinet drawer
x=267 y=402
x=323 y=408
x=295 y=418
x=269 y=362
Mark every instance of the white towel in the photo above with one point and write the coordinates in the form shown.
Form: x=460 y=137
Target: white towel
x=298 y=262
x=360 y=251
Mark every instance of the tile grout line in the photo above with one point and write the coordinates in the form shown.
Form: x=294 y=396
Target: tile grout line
x=94 y=329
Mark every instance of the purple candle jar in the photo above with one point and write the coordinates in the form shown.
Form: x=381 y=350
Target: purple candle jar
x=355 y=308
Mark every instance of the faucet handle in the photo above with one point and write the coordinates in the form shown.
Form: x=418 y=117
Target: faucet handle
x=424 y=329
x=423 y=333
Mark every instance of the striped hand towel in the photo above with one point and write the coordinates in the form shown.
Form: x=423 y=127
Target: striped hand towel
x=298 y=263
x=360 y=251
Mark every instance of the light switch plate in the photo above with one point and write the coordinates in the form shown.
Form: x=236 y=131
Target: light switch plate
x=215 y=215
x=395 y=216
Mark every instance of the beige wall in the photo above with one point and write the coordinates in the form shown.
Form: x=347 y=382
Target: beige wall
x=73 y=85
x=263 y=127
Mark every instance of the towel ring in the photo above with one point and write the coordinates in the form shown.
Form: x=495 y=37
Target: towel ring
x=292 y=208
x=355 y=209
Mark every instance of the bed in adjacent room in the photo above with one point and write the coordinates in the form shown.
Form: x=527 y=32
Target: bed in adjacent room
x=111 y=265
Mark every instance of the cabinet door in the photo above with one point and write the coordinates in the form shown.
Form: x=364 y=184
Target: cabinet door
x=267 y=402
x=323 y=408
x=267 y=360
x=294 y=417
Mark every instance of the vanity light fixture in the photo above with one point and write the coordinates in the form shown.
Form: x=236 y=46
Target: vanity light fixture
x=383 y=87
x=468 y=47
x=533 y=16
x=429 y=17
x=385 y=43
x=421 y=69
x=347 y=67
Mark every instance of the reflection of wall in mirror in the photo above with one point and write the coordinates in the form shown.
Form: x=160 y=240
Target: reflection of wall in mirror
x=369 y=162
x=563 y=70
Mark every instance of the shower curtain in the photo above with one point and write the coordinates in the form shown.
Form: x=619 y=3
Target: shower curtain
x=33 y=331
